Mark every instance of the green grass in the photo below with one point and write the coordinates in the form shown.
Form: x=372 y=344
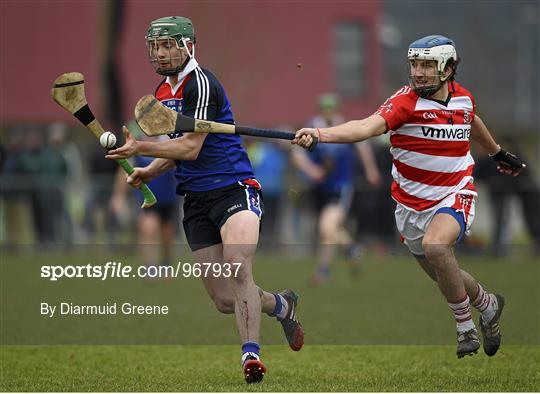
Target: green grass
x=315 y=368
x=389 y=330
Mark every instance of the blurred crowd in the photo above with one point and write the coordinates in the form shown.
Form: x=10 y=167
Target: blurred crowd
x=52 y=191
x=58 y=191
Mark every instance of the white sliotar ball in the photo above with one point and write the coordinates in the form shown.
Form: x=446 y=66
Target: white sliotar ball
x=107 y=140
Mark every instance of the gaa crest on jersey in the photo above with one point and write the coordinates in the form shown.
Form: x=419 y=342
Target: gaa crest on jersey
x=467 y=117
x=463 y=202
x=429 y=115
x=386 y=108
x=174 y=104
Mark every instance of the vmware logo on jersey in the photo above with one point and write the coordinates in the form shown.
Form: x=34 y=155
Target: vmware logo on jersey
x=447 y=133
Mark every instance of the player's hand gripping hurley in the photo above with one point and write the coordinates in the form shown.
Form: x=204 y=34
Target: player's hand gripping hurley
x=68 y=92
x=155 y=119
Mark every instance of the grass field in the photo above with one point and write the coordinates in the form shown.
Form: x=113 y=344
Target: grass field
x=359 y=333
x=315 y=368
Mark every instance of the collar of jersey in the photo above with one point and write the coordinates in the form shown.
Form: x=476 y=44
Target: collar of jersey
x=443 y=102
x=192 y=65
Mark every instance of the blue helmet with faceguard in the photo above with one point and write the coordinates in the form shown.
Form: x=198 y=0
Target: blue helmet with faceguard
x=437 y=48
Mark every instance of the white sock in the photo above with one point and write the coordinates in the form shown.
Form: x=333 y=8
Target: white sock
x=462 y=314
x=250 y=354
x=490 y=311
x=486 y=304
x=465 y=326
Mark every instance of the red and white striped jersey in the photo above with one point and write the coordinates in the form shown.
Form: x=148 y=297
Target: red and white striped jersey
x=430 y=146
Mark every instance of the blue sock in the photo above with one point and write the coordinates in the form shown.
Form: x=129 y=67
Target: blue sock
x=251 y=349
x=279 y=305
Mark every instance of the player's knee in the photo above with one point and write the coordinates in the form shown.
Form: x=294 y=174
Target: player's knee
x=243 y=275
x=240 y=262
x=326 y=238
x=435 y=250
x=327 y=234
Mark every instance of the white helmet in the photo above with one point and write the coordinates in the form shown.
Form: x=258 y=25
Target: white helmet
x=437 y=48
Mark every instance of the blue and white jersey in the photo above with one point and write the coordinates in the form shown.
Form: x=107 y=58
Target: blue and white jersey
x=222 y=160
x=337 y=159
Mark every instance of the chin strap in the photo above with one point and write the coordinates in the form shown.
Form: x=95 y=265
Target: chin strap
x=427 y=91
x=184 y=43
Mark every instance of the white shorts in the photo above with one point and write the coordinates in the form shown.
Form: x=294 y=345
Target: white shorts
x=412 y=225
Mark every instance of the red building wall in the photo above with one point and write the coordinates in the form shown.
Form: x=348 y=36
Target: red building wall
x=253 y=48
x=39 y=41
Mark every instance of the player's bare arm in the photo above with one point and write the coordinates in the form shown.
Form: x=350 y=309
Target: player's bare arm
x=507 y=163
x=349 y=132
x=186 y=147
x=481 y=134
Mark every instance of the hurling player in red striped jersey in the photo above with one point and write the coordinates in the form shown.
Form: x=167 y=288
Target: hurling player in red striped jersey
x=430 y=122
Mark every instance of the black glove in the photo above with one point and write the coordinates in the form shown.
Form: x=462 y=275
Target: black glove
x=508 y=163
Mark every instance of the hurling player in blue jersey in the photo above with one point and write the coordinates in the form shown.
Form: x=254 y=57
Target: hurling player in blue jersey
x=222 y=205
x=331 y=169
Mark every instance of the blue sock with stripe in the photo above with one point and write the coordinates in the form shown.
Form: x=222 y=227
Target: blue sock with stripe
x=250 y=349
x=281 y=308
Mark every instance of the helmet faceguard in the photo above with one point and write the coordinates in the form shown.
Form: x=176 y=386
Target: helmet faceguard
x=433 y=48
x=174 y=33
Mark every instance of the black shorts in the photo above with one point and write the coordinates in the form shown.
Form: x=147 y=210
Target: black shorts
x=206 y=212
x=341 y=197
